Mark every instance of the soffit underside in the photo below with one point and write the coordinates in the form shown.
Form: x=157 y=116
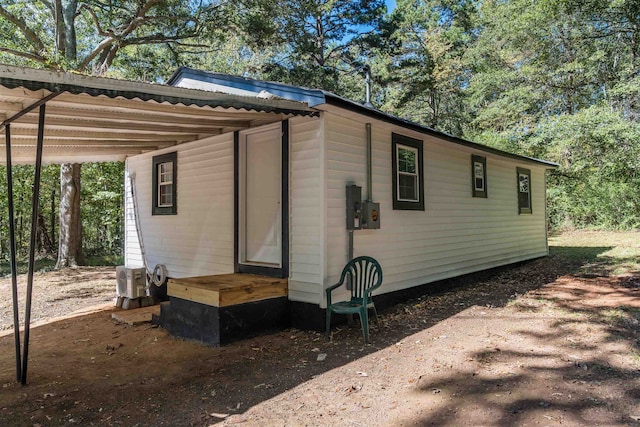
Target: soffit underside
x=85 y=127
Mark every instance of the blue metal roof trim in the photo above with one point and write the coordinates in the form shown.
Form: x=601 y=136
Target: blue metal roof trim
x=311 y=97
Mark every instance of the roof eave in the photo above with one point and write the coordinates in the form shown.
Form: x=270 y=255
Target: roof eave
x=13 y=77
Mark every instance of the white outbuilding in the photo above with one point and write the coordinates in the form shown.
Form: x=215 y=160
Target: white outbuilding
x=250 y=196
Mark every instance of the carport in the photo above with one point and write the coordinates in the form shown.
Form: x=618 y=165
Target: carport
x=56 y=117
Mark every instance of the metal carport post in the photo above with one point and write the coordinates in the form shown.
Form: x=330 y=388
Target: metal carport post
x=21 y=366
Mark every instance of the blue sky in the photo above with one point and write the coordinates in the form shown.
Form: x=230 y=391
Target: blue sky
x=391 y=4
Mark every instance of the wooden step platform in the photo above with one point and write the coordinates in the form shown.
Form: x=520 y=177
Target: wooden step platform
x=223 y=290
x=137 y=316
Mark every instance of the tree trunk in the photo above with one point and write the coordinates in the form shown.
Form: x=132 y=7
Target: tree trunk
x=45 y=246
x=61 y=36
x=70 y=41
x=70 y=231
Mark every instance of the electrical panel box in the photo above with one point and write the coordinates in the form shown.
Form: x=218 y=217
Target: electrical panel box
x=370 y=216
x=354 y=207
x=361 y=215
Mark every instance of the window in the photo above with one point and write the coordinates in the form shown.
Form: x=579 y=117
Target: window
x=165 y=172
x=479 y=176
x=408 y=191
x=524 y=191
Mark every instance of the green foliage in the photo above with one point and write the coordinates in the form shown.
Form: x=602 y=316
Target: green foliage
x=92 y=36
x=316 y=43
x=104 y=260
x=553 y=80
x=23 y=176
x=102 y=208
x=424 y=66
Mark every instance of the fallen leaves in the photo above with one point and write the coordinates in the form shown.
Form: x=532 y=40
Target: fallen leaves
x=111 y=349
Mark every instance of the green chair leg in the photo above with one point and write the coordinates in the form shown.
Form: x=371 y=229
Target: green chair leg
x=364 y=320
x=328 y=323
x=375 y=312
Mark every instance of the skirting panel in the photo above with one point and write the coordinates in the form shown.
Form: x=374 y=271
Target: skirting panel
x=217 y=326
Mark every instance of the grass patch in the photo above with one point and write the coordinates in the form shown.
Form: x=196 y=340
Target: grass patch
x=105 y=260
x=598 y=252
x=47 y=264
x=41 y=265
x=614 y=315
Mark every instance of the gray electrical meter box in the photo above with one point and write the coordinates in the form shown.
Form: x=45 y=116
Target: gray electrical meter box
x=370 y=216
x=361 y=215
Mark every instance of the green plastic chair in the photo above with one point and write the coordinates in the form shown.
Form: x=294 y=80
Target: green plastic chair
x=365 y=275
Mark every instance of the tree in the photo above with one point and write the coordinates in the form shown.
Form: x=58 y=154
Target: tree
x=314 y=39
x=23 y=190
x=559 y=80
x=87 y=37
x=422 y=61
x=70 y=241
x=103 y=209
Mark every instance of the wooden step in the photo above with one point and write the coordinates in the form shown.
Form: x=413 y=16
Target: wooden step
x=223 y=290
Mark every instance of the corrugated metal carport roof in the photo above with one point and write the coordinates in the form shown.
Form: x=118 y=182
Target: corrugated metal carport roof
x=101 y=119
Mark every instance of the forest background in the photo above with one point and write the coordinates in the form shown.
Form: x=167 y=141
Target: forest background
x=551 y=79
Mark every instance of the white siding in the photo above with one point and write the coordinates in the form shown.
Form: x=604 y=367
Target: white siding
x=199 y=239
x=132 y=253
x=306 y=223
x=456 y=234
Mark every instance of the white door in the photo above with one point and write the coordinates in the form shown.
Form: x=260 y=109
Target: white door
x=262 y=198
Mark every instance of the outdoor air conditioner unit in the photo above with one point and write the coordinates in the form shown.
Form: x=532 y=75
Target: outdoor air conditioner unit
x=131 y=282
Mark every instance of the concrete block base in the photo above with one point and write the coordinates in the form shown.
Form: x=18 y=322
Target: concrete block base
x=216 y=326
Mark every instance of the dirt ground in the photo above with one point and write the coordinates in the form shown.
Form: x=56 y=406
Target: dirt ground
x=58 y=293
x=552 y=342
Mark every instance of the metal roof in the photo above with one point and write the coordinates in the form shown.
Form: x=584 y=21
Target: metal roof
x=189 y=77
x=192 y=78
x=102 y=119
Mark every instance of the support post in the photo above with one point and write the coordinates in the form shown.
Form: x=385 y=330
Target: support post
x=32 y=244
x=53 y=215
x=12 y=252
x=369 y=164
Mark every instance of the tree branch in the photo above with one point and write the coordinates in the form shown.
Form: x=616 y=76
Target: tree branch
x=104 y=66
x=24 y=28
x=139 y=18
x=158 y=38
x=48 y=5
x=203 y=45
x=104 y=44
x=94 y=18
x=32 y=56
x=114 y=40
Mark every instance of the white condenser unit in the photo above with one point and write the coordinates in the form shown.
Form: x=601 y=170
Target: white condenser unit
x=131 y=282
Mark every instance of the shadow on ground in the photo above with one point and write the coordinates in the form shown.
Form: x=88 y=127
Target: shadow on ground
x=204 y=381
x=592 y=390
